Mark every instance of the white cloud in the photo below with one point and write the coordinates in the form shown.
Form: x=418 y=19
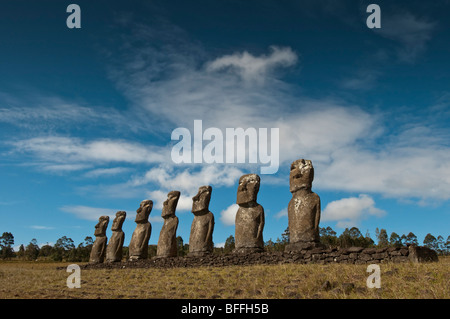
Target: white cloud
x=59 y=149
x=89 y=213
x=189 y=180
x=415 y=171
x=349 y=211
x=228 y=215
x=252 y=68
x=351 y=148
x=158 y=197
x=174 y=84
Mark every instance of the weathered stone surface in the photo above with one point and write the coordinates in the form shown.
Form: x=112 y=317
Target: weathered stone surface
x=138 y=247
x=404 y=251
x=98 y=251
x=304 y=207
x=250 y=219
x=369 y=250
x=167 y=243
x=302 y=246
x=364 y=257
x=355 y=249
x=419 y=254
x=200 y=240
x=114 y=249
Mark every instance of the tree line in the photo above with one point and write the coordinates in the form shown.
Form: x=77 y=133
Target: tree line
x=65 y=250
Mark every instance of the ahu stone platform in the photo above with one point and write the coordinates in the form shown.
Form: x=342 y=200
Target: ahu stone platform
x=352 y=255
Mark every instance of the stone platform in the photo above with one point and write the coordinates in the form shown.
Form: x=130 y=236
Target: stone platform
x=352 y=255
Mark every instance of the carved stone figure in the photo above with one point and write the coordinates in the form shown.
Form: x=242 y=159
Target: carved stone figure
x=114 y=249
x=167 y=243
x=249 y=221
x=138 y=247
x=200 y=240
x=304 y=208
x=98 y=251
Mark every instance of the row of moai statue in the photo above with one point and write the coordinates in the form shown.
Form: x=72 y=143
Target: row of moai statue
x=303 y=215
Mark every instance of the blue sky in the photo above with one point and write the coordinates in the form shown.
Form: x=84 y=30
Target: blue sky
x=86 y=114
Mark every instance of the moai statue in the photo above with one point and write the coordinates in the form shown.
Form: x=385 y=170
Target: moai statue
x=98 y=251
x=167 y=243
x=138 y=247
x=114 y=249
x=249 y=217
x=200 y=240
x=303 y=209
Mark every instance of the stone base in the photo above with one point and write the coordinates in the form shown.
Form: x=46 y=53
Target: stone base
x=303 y=245
x=248 y=250
x=164 y=256
x=198 y=253
x=135 y=258
x=419 y=254
x=351 y=255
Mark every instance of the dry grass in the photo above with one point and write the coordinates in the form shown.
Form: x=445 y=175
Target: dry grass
x=43 y=280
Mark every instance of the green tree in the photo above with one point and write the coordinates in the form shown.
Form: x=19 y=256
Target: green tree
x=395 y=240
x=328 y=236
x=285 y=236
x=6 y=243
x=410 y=239
x=45 y=251
x=83 y=250
x=382 y=237
x=229 y=245
x=447 y=246
x=21 y=252
x=63 y=249
x=88 y=242
x=269 y=245
x=65 y=243
x=181 y=247
x=357 y=238
x=344 y=239
x=440 y=245
x=32 y=250
x=430 y=241
x=369 y=241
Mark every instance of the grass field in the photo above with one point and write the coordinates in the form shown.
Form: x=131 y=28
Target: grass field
x=43 y=280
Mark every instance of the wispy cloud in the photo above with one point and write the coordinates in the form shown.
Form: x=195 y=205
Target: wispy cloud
x=88 y=213
x=171 y=83
x=36 y=111
x=104 y=172
x=76 y=153
x=39 y=227
x=411 y=32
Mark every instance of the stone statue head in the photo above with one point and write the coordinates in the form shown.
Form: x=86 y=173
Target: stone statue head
x=248 y=189
x=170 y=204
x=100 y=228
x=143 y=211
x=118 y=221
x=301 y=175
x=200 y=202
